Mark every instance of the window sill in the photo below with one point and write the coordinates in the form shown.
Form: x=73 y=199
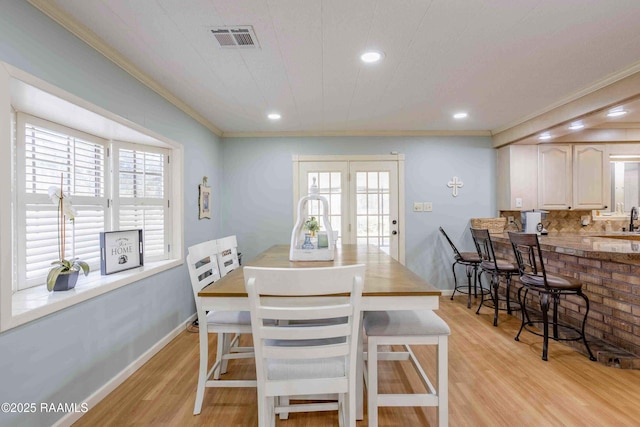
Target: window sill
x=33 y=303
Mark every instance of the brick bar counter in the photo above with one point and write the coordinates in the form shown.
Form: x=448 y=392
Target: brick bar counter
x=608 y=264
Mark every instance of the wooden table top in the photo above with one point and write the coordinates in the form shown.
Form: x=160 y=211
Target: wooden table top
x=384 y=276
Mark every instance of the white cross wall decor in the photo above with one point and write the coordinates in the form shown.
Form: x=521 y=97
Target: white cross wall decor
x=455 y=184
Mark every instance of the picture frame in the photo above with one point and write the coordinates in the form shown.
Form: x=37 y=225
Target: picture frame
x=204 y=202
x=121 y=250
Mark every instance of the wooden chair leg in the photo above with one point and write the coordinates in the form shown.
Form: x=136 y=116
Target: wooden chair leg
x=442 y=368
x=372 y=383
x=219 y=354
x=203 y=369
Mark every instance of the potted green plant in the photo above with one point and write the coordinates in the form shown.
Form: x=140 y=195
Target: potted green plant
x=312 y=225
x=64 y=275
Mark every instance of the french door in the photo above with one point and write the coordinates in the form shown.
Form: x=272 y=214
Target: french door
x=364 y=195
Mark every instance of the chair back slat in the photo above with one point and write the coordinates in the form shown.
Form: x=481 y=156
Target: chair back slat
x=310 y=312
x=528 y=254
x=305 y=352
x=293 y=332
x=484 y=245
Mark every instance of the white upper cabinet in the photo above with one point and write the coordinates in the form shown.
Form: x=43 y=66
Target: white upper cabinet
x=591 y=177
x=517 y=177
x=555 y=177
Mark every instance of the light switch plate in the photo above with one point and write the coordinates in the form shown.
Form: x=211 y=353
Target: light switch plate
x=428 y=206
x=418 y=207
x=518 y=202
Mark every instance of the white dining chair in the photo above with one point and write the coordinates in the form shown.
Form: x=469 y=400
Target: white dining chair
x=227 y=255
x=203 y=270
x=296 y=356
x=228 y=260
x=405 y=328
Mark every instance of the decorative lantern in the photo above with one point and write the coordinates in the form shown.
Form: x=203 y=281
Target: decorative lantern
x=305 y=246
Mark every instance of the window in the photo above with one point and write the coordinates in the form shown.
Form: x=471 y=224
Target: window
x=139 y=198
x=48 y=155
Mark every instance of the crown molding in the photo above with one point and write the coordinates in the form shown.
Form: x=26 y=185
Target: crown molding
x=89 y=37
x=357 y=133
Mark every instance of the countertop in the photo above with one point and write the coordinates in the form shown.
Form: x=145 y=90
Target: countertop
x=621 y=247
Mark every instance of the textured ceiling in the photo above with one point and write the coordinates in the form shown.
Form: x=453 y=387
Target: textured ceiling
x=499 y=60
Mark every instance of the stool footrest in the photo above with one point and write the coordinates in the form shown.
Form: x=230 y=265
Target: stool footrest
x=394 y=355
x=425 y=399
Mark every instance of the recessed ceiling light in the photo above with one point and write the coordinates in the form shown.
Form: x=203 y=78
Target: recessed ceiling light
x=544 y=136
x=576 y=125
x=371 y=56
x=274 y=116
x=461 y=115
x=616 y=112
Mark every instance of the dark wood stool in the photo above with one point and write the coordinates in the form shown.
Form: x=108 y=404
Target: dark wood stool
x=497 y=268
x=533 y=277
x=471 y=261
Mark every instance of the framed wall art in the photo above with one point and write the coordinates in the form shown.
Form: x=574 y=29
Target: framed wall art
x=204 y=200
x=120 y=250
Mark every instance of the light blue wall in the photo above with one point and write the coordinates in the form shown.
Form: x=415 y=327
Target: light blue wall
x=258 y=191
x=67 y=356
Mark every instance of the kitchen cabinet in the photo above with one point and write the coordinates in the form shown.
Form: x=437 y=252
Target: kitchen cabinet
x=517 y=178
x=573 y=176
x=555 y=177
x=591 y=176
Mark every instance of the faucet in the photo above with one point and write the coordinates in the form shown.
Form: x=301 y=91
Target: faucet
x=633 y=215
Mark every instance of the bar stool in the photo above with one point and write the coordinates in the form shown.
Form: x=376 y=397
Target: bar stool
x=533 y=277
x=497 y=268
x=406 y=328
x=471 y=261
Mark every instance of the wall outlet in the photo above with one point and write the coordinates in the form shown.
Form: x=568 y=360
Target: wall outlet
x=518 y=202
x=418 y=207
x=510 y=220
x=585 y=220
x=428 y=206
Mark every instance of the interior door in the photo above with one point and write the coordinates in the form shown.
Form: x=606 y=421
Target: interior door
x=331 y=179
x=374 y=204
x=363 y=199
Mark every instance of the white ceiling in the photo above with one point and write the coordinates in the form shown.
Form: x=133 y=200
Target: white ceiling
x=500 y=60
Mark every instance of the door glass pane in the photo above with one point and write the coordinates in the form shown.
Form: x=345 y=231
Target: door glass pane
x=329 y=185
x=372 y=208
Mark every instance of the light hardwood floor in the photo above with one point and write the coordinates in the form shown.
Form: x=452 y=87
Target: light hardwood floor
x=493 y=381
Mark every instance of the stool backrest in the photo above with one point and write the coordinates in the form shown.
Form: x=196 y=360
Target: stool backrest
x=456 y=252
x=526 y=248
x=227 y=254
x=203 y=270
x=484 y=245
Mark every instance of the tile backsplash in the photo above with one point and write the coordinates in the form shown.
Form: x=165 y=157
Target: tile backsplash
x=568 y=221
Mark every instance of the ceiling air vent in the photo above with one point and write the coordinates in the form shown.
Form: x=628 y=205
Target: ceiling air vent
x=236 y=37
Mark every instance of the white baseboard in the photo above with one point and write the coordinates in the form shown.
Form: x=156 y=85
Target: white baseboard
x=446 y=292
x=103 y=391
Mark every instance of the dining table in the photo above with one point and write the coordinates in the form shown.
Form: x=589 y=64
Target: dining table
x=388 y=285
